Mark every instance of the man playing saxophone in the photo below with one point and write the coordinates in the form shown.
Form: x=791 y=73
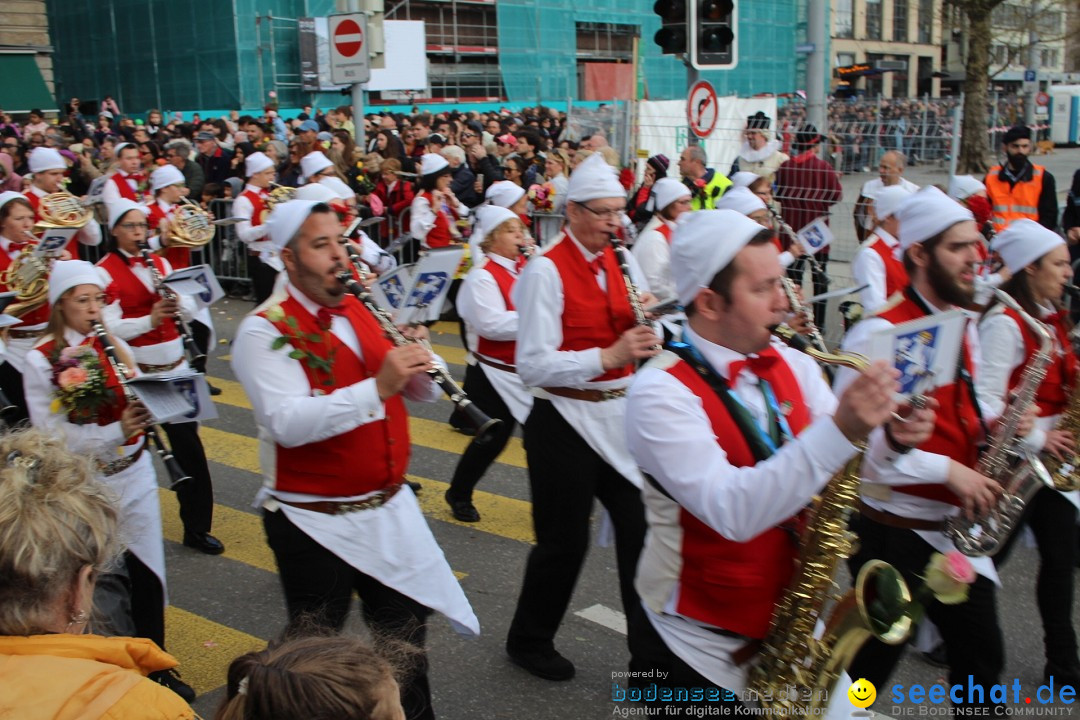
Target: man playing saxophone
x=907 y=493
x=736 y=434
x=1038 y=262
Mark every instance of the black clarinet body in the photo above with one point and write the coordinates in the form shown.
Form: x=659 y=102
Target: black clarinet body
x=631 y=289
x=194 y=355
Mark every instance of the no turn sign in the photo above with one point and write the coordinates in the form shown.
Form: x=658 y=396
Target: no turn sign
x=702 y=109
x=348 y=49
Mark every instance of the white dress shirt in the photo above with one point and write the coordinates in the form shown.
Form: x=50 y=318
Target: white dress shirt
x=391 y=543
x=90 y=234
x=110 y=193
x=539 y=298
x=480 y=304
x=869 y=269
x=254 y=236
x=653 y=253
x=672 y=439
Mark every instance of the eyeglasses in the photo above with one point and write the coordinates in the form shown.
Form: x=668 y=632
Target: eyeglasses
x=134 y=226
x=468 y=135
x=606 y=214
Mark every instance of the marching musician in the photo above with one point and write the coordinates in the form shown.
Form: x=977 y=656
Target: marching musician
x=49 y=168
x=669 y=199
x=263 y=264
x=578 y=340
x=876 y=264
x=1039 y=262
x=73 y=390
x=128 y=181
x=735 y=435
x=435 y=210
x=908 y=492
x=145 y=318
x=337 y=525
x=485 y=304
x=377 y=260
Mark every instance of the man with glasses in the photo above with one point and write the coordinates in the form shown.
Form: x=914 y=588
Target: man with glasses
x=178 y=154
x=578 y=342
x=484 y=166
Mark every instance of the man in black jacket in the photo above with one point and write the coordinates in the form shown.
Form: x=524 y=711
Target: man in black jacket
x=483 y=165
x=213 y=159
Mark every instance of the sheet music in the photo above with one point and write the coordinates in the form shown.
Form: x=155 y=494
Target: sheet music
x=174 y=396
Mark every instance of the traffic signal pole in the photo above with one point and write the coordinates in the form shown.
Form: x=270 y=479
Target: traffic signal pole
x=816 y=62
x=692 y=76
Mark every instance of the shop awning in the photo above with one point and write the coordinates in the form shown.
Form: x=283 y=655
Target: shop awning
x=23 y=88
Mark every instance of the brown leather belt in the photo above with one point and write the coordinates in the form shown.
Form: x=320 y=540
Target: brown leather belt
x=160 y=368
x=121 y=464
x=589 y=395
x=333 y=507
x=25 y=334
x=897 y=521
x=496 y=365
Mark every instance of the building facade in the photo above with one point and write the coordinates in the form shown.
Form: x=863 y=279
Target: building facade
x=26 y=53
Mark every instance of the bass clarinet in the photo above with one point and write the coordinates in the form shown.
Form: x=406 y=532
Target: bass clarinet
x=195 y=356
x=631 y=288
x=484 y=425
x=153 y=434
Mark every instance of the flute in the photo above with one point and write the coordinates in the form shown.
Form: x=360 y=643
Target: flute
x=153 y=434
x=195 y=356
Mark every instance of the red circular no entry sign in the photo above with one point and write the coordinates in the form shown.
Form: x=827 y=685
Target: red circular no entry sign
x=348 y=38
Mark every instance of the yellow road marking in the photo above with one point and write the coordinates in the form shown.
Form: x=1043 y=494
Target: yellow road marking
x=428 y=433
x=204 y=648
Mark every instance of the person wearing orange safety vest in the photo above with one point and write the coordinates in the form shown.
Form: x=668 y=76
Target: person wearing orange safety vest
x=1019 y=188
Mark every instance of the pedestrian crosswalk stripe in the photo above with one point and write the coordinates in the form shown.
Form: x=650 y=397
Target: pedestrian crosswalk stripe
x=427 y=433
x=204 y=648
x=503 y=516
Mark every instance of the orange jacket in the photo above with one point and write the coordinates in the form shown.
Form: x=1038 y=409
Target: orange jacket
x=85 y=677
x=1019 y=201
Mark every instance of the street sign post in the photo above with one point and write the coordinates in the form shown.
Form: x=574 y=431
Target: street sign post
x=702 y=109
x=349 y=61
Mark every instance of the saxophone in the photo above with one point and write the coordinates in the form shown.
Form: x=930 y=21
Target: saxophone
x=1066 y=473
x=1019 y=470
x=797 y=670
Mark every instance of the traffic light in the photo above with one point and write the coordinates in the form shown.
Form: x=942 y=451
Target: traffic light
x=671 y=37
x=375 y=40
x=712 y=39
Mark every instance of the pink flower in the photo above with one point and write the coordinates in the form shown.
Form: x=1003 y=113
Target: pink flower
x=72 y=377
x=73 y=351
x=948 y=576
x=959 y=567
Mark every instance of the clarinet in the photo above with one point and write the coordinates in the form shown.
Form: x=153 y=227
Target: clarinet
x=195 y=356
x=153 y=434
x=795 y=238
x=484 y=425
x=631 y=289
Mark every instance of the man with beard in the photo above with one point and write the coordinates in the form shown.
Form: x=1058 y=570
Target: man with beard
x=759 y=154
x=1021 y=189
x=907 y=493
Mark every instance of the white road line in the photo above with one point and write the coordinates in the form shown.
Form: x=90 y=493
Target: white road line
x=602 y=615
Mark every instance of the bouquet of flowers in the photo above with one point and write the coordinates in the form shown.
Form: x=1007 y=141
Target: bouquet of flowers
x=946 y=579
x=80 y=383
x=542 y=197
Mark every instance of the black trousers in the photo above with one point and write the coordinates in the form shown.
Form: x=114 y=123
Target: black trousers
x=129 y=602
x=201 y=335
x=262 y=278
x=972 y=635
x=318 y=589
x=478 y=456
x=1053 y=521
x=196 y=496
x=565 y=475
x=821 y=283
x=11 y=383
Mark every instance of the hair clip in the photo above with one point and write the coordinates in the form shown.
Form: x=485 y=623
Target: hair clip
x=241 y=688
x=16 y=459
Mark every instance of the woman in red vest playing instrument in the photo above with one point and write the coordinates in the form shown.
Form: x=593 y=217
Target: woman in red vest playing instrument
x=435 y=210
x=669 y=199
x=1039 y=262
x=73 y=390
x=485 y=304
x=876 y=264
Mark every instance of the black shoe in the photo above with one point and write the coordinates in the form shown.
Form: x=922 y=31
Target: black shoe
x=416 y=487
x=462 y=510
x=204 y=542
x=1062 y=674
x=937 y=656
x=547 y=664
x=213 y=390
x=171 y=679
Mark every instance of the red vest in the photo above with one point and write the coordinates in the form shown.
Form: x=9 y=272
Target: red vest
x=108 y=412
x=1053 y=394
x=439 y=235
x=38 y=315
x=258 y=204
x=664 y=229
x=178 y=257
x=501 y=350
x=367 y=458
x=896 y=277
x=35 y=202
x=957 y=429
x=736 y=585
x=591 y=317
x=136 y=300
x=122 y=186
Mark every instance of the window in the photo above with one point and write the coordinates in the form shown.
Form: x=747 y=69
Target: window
x=845 y=59
x=900 y=21
x=1048 y=58
x=845 y=23
x=873 y=19
x=926 y=21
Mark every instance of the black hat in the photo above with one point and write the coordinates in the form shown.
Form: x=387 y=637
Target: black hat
x=1018 y=132
x=807 y=135
x=475 y=126
x=436 y=138
x=758 y=121
x=659 y=164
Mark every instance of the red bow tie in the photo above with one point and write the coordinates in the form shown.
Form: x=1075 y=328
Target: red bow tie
x=596 y=264
x=759 y=364
x=326 y=315
x=137 y=177
x=519 y=264
x=16 y=246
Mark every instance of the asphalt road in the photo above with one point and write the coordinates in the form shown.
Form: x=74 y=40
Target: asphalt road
x=223 y=606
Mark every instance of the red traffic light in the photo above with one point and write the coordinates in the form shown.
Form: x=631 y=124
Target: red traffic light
x=716 y=10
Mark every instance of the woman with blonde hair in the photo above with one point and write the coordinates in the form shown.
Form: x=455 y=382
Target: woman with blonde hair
x=58 y=533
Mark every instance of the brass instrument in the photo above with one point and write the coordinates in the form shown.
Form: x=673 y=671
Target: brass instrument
x=190 y=226
x=484 y=425
x=1019 y=470
x=794 y=237
x=28 y=278
x=62 y=210
x=153 y=434
x=195 y=356
x=791 y=656
x=279 y=194
x=631 y=289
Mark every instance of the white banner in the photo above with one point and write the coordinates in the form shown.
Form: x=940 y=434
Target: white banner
x=431 y=283
x=197 y=281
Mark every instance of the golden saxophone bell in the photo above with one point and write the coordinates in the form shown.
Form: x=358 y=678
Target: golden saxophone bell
x=190 y=226
x=62 y=210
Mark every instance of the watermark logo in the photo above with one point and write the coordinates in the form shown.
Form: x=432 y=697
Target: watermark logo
x=862 y=693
